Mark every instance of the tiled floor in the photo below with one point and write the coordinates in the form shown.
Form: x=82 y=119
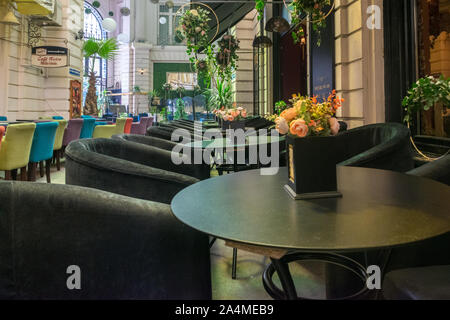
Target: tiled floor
x=250 y=267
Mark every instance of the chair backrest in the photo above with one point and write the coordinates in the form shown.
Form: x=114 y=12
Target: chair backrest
x=127 y=168
x=16 y=147
x=73 y=131
x=128 y=124
x=88 y=128
x=3 y=118
x=46 y=229
x=57 y=118
x=43 y=141
x=2 y=132
x=60 y=134
x=149 y=141
x=438 y=170
x=87 y=117
x=380 y=146
x=120 y=125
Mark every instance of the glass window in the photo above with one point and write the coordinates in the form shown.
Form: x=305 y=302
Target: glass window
x=167 y=23
x=93 y=29
x=187 y=80
x=434 y=59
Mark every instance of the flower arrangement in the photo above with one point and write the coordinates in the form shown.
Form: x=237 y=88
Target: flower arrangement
x=227 y=57
x=309 y=117
x=228 y=46
x=424 y=94
x=315 y=10
x=194 y=28
x=232 y=114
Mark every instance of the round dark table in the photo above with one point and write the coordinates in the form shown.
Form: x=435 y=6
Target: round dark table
x=379 y=210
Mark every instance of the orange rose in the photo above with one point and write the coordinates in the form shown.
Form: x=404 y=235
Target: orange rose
x=289 y=114
x=299 y=128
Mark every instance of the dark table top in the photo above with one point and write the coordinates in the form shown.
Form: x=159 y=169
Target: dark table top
x=379 y=209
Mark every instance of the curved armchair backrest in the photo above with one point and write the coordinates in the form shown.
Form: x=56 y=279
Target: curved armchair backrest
x=15 y=151
x=60 y=134
x=438 y=170
x=88 y=128
x=160 y=132
x=73 y=131
x=128 y=124
x=123 y=248
x=120 y=125
x=380 y=146
x=127 y=168
x=2 y=132
x=43 y=141
x=149 y=141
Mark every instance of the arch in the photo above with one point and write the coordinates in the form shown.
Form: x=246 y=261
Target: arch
x=93 y=29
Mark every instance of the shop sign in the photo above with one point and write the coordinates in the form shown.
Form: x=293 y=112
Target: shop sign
x=50 y=57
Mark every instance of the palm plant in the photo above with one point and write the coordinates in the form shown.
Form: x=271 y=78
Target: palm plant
x=105 y=49
x=222 y=96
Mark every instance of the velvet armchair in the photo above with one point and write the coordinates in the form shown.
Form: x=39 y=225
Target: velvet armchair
x=121 y=248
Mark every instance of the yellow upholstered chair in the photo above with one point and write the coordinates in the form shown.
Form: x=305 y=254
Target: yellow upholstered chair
x=15 y=151
x=109 y=130
x=57 y=147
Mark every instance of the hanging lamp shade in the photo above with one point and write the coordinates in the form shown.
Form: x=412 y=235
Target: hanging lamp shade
x=109 y=24
x=123 y=38
x=262 y=42
x=277 y=24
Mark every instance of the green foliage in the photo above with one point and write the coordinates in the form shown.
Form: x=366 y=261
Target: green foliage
x=222 y=96
x=280 y=106
x=105 y=49
x=424 y=94
x=137 y=89
x=259 y=6
x=180 y=112
x=315 y=10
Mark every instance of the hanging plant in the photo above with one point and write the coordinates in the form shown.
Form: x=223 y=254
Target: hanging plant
x=96 y=4
x=259 y=6
x=194 y=28
x=227 y=56
x=424 y=94
x=315 y=9
x=178 y=36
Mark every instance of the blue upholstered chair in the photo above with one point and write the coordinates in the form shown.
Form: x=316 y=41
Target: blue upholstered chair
x=57 y=118
x=88 y=128
x=42 y=149
x=2 y=118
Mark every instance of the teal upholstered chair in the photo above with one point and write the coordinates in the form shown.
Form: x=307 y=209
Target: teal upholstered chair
x=42 y=149
x=2 y=118
x=57 y=118
x=88 y=128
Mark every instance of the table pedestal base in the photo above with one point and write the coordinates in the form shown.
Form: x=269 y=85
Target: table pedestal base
x=289 y=292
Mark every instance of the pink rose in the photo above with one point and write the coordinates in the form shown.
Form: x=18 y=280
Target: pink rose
x=299 y=128
x=334 y=126
x=282 y=125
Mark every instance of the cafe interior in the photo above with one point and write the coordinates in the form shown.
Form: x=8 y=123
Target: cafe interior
x=225 y=150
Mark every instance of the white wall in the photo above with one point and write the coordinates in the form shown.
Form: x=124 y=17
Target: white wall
x=28 y=92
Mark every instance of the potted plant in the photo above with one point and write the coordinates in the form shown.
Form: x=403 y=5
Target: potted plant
x=105 y=49
x=310 y=126
x=232 y=118
x=425 y=94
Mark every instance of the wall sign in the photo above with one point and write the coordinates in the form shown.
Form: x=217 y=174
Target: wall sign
x=74 y=72
x=322 y=60
x=75 y=99
x=50 y=57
